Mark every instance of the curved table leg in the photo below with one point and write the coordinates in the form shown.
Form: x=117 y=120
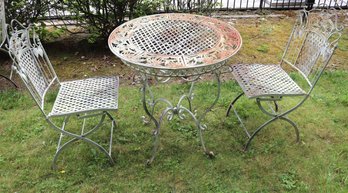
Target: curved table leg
x=179 y=109
x=201 y=118
x=156 y=134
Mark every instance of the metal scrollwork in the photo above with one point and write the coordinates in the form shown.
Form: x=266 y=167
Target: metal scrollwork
x=178 y=109
x=168 y=46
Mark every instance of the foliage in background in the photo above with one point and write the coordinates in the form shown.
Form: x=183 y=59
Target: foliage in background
x=146 y=7
x=47 y=34
x=25 y=11
x=99 y=18
x=31 y=12
x=200 y=6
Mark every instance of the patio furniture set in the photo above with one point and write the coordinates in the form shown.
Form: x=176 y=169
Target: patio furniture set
x=167 y=46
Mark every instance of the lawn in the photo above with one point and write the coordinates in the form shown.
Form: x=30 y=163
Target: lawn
x=275 y=163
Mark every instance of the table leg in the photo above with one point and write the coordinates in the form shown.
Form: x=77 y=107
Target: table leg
x=201 y=118
x=171 y=110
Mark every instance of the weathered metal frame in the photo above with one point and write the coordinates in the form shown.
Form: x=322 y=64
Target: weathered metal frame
x=4 y=40
x=306 y=27
x=3 y=25
x=150 y=101
x=21 y=42
x=180 y=46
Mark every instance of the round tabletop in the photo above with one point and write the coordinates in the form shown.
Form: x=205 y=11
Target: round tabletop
x=175 y=44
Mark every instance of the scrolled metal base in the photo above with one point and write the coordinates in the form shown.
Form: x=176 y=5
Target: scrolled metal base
x=175 y=110
x=84 y=137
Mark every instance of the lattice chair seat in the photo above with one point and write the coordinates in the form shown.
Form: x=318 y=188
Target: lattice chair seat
x=86 y=95
x=258 y=80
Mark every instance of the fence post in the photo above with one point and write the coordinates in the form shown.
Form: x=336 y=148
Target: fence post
x=309 y=4
x=261 y=4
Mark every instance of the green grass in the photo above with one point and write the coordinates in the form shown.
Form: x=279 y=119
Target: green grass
x=274 y=163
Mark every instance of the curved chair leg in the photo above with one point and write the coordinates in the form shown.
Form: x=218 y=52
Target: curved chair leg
x=275 y=116
x=232 y=103
x=58 y=152
x=114 y=124
x=256 y=132
x=268 y=122
x=295 y=127
x=84 y=138
x=13 y=84
x=54 y=165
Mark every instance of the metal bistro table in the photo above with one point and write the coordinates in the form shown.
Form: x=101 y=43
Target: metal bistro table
x=175 y=45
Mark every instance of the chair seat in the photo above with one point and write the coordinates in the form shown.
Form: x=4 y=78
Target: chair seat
x=87 y=95
x=259 y=80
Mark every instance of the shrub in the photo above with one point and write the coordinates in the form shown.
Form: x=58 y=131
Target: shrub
x=100 y=17
x=25 y=11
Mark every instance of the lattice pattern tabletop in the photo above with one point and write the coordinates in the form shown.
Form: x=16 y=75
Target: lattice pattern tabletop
x=175 y=44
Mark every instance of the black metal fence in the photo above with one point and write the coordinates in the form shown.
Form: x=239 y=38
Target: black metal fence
x=178 y=5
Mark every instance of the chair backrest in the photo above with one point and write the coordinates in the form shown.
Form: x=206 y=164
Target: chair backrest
x=32 y=63
x=3 y=26
x=311 y=44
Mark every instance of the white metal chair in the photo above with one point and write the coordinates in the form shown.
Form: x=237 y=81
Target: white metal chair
x=309 y=49
x=83 y=99
x=3 y=40
x=3 y=25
